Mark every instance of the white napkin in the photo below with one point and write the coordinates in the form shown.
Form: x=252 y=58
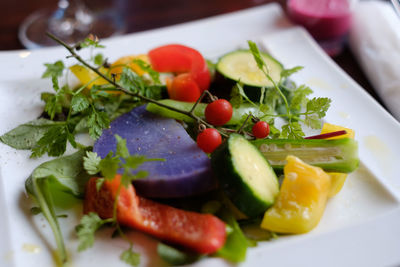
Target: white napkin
x=375 y=41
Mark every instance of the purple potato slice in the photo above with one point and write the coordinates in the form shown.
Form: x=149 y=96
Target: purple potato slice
x=186 y=170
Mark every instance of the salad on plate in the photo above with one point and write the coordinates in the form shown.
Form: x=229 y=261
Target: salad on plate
x=208 y=157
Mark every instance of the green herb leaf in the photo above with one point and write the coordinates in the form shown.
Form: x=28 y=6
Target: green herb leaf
x=79 y=102
x=109 y=166
x=256 y=54
x=93 y=41
x=299 y=98
x=122 y=150
x=318 y=105
x=130 y=257
x=98 y=59
x=87 y=228
x=97 y=121
x=48 y=185
x=91 y=163
x=287 y=72
x=26 y=135
x=131 y=81
x=54 y=70
x=155 y=76
x=53 y=142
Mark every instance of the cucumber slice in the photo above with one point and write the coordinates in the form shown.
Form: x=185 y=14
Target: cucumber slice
x=338 y=155
x=245 y=175
x=240 y=66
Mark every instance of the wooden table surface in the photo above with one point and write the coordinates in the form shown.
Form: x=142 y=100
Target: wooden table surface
x=140 y=15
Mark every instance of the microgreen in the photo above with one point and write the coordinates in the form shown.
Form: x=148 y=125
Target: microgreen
x=54 y=69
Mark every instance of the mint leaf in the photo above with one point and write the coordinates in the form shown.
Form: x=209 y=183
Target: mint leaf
x=54 y=70
x=91 y=163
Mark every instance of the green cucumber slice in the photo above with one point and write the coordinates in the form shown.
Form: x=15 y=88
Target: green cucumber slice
x=336 y=155
x=240 y=66
x=245 y=175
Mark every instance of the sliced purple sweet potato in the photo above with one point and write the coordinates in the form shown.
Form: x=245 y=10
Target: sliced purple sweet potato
x=186 y=170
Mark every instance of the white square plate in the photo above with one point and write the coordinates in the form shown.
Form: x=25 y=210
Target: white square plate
x=360 y=224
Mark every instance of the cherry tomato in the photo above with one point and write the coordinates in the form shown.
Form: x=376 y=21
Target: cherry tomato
x=260 y=129
x=209 y=139
x=218 y=112
x=183 y=88
x=181 y=59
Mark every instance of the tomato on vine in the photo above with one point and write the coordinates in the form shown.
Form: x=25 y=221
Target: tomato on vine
x=219 y=112
x=208 y=140
x=260 y=129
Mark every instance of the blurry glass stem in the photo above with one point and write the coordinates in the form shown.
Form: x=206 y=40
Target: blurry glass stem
x=70 y=17
x=396 y=4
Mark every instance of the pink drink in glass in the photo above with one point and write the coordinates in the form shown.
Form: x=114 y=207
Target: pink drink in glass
x=328 y=21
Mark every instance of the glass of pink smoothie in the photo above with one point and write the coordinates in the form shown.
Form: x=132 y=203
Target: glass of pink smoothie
x=328 y=21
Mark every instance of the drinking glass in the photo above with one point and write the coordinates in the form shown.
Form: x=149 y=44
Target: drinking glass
x=71 y=21
x=328 y=21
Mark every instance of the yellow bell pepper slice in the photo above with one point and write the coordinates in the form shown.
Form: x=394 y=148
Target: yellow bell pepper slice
x=87 y=76
x=301 y=201
x=337 y=179
x=127 y=61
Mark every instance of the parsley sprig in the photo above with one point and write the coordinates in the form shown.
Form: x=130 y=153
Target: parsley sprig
x=315 y=108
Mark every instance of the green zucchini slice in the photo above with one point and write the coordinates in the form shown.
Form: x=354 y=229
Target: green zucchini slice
x=240 y=66
x=245 y=175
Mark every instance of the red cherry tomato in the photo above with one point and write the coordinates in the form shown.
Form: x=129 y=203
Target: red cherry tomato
x=183 y=88
x=209 y=139
x=218 y=112
x=260 y=129
x=181 y=59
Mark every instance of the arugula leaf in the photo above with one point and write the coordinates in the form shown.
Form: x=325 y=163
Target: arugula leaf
x=26 y=135
x=130 y=257
x=54 y=70
x=87 y=228
x=49 y=183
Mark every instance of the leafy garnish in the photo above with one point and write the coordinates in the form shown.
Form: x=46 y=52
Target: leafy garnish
x=50 y=183
x=87 y=228
x=91 y=163
x=175 y=256
x=54 y=70
x=155 y=76
x=130 y=257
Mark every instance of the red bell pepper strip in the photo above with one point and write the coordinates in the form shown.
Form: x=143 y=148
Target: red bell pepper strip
x=181 y=59
x=202 y=233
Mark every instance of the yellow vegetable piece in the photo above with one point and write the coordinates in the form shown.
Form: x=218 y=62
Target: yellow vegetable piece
x=301 y=201
x=328 y=128
x=87 y=76
x=337 y=179
x=127 y=61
